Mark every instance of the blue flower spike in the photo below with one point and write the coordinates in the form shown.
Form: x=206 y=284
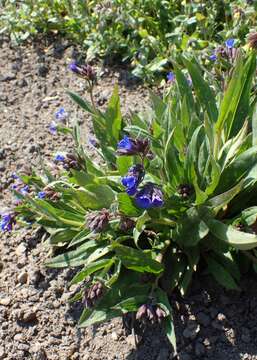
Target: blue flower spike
x=133 y=179
x=150 y=196
x=230 y=43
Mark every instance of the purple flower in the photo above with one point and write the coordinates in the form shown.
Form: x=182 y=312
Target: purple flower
x=93 y=141
x=14 y=176
x=213 y=57
x=230 y=43
x=41 y=194
x=170 y=77
x=7 y=222
x=150 y=196
x=126 y=143
x=129 y=146
x=133 y=179
x=61 y=115
x=59 y=157
x=189 y=80
x=24 y=190
x=74 y=67
x=53 y=128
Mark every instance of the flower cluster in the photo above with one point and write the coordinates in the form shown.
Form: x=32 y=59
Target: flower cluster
x=85 y=71
x=48 y=194
x=92 y=294
x=150 y=313
x=7 y=221
x=228 y=51
x=68 y=161
x=19 y=185
x=97 y=221
x=150 y=195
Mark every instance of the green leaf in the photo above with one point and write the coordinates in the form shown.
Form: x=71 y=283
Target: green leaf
x=75 y=257
x=123 y=164
x=131 y=303
x=140 y=226
x=137 y=259
x=81 y=178
x=228 y=233
x=202 y=89
x=113 y=116
x=237 y=169
x=95 y=197
x=84 y=104
x=238 y=89
x=90 y=269
x=163 y=301
x=221 y=275
x=190 y=229
x=62 y=236
x=126 y=205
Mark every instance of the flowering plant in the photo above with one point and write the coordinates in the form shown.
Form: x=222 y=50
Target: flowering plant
x=174 y=194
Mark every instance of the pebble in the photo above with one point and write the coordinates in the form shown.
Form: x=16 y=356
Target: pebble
x=29 y=316
x=191 y=330
x=22 y=277
x=7 y=77
x=5 y=301
x=2 y=166
x=115 y=336
x=2 y=353
x=20 y=250
x=2 y=154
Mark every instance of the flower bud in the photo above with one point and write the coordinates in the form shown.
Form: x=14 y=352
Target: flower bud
x=126 y=224
x=97 y=221
x=85 y=71
x=185 y=190
x=92 y=294
x=252 y=40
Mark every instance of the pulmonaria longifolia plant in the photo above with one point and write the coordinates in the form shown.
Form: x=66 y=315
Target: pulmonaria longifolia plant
x=175 y=194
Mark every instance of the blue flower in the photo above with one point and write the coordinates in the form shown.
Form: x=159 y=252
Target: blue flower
x=24 y=190
x=61 y=115
x=93 y=141
x=53 y=128
x=41 y=194
x=74 y=67
x=170 y=77
x=14 y=176
x=128 y=146
x=133 y=179
x=213 y=57
x=150 y=196
x=7 y=222
x=59 y=157
x=230 y=43
x=126 y=143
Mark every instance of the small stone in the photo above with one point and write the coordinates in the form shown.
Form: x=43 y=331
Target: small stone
x=22 y=277
x=221 y=317
x=29 y=316
x=131 y=340
x=20 y=250
x=115 y=336
x=199 y=349
x=2 y=353
x=22 y=83
x=2 y=154
x=7 y=77
x=5 y=301
x=42 y=70
x=191 y=330
x=2 y=166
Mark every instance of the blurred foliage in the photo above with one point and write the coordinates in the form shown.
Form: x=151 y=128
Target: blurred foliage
x=144 y=33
